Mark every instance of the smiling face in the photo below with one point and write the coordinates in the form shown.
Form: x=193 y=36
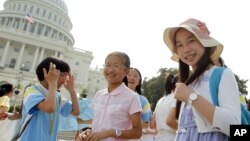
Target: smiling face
x=133 y=79
x=188 y=48
x=114 y=70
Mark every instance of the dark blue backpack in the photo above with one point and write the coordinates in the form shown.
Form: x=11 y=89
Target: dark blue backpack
x=214 y=83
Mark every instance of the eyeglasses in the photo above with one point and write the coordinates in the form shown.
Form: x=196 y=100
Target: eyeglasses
x=115 y=66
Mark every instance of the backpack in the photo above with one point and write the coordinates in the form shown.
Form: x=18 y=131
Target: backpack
x=214 y=83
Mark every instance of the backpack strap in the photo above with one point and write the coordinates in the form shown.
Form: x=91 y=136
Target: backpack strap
x=24 y=127
x=214 y=83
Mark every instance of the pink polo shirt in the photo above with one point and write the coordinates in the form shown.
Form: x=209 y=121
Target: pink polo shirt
x=112 y=110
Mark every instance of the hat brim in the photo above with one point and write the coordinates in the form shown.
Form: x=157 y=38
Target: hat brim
x=205 y=40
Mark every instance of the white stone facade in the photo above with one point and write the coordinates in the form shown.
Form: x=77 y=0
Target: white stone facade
x=24 y=44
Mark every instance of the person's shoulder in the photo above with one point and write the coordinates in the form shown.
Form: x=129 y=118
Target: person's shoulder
x=143 y=97
x=4 y=97
x=101 y=92
x=32 y=91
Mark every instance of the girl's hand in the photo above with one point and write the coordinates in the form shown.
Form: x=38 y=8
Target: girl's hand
x=182 y=92
x=82 y=136
x=94 y=136
x=203 y=27
x=3 y=116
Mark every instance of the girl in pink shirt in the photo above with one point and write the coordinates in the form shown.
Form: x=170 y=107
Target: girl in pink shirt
x=117 y=109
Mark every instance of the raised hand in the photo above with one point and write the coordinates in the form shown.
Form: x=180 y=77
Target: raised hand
x=182 y=92
x=52 y=75
x=69 y=84
x=203 y=27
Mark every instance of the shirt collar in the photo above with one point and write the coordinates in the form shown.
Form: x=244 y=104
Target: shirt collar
x=117 y=90
x=44 y=90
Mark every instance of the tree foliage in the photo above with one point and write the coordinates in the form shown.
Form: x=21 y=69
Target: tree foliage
x=242 y=85
x=84 y=93
x=154 y=88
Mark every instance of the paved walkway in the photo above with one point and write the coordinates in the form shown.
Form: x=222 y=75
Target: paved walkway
x=66 y=135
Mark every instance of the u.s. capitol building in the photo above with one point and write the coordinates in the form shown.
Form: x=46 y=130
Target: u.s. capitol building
x=25 y=42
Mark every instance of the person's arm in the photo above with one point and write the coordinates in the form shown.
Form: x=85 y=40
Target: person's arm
x=3 y=109
x=248 y=103
x=3 y=116
x=69 y=85
x=146 y=113
x=153 y=122
x=15 y=116
x=145 y=124
x=171 y=121
x=49 y=103
x=134 y=133
x=80 y=121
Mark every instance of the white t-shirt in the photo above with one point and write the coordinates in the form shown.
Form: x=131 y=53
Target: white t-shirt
x=163 y=106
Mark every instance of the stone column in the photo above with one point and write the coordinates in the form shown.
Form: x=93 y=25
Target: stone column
x=6 y=20
x=34 y=60
x=44 y=29
x=41 y=55
x=20 y=57
x=56 y=54
x=36 y=28
x=21 y=25
x=5 y=52
x=28 y=27
x=12 y=23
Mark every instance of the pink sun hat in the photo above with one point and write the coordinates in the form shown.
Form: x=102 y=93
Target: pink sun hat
x=192 y=25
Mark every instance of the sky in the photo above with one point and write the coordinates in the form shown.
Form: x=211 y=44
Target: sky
x=136 y=28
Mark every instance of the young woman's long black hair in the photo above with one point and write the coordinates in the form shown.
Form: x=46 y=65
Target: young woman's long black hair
x=185 y=76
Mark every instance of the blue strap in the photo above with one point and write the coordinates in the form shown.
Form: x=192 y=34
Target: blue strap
x=214 y=83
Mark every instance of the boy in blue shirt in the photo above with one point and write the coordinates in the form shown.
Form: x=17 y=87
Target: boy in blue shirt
x=42 y=103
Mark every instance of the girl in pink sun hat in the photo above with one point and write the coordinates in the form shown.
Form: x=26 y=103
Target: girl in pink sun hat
x=199 y=119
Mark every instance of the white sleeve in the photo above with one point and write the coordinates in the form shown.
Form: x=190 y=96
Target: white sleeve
x=228 y=112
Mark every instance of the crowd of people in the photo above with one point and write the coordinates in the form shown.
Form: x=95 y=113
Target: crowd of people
x=120 y=111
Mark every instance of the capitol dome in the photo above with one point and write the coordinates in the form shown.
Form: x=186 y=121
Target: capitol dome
x=31 y=30
x=50 y=19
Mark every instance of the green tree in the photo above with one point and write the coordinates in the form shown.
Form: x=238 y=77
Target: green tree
x=154 y=89
x=84 y=93
x=242 y=85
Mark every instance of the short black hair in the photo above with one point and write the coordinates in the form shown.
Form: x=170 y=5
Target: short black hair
x=60 y=65
x=5 y=87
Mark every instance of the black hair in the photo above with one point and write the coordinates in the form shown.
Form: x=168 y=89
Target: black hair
x=60 y=65
x=138 y=86
x=125 y=80
x=222 y=63
x=185 y=76
x=170 y=83
x=5 y=87
x=124 y=57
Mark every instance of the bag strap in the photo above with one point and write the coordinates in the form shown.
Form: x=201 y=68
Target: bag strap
x=214 y=83
x=24 y=127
